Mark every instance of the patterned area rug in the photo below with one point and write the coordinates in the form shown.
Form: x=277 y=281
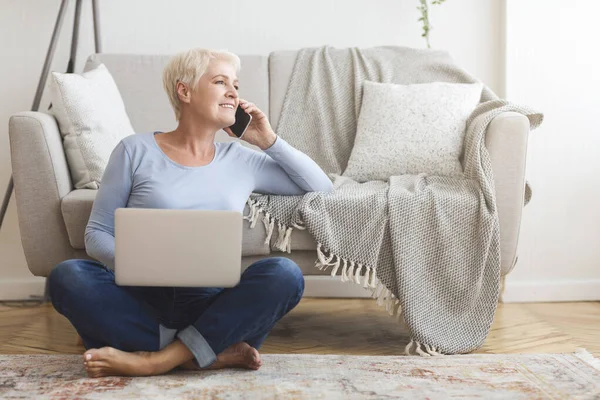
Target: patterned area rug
x=526 y=376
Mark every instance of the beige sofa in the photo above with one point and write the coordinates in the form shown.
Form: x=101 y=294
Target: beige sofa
x=52 y=215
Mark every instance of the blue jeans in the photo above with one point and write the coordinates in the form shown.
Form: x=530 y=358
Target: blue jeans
x=206 y=320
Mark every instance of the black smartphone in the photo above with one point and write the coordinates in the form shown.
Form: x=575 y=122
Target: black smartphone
x=242 y=120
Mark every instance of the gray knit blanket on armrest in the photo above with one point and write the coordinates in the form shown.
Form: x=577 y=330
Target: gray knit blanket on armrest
x=427 y=247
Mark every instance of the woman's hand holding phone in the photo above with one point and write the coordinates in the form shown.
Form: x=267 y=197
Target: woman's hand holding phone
x=255 y=130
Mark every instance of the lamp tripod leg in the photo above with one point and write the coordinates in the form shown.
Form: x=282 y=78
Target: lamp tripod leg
x=38 y=93
x=44 y=75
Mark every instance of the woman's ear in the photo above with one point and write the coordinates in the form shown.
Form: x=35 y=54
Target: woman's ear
x=183 y=92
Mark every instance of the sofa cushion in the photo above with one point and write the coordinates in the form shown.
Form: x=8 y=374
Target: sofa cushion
x=301 y=240
x=92 y=120
x=281 y=64
x=77 y=206
x=306 y=261
x=411 y=129
x=139 y=79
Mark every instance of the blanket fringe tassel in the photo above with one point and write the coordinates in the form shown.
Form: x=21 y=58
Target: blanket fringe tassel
x=351 y=271
x=284 y=236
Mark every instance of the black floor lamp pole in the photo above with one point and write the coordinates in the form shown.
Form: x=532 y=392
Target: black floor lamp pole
x=70 y=67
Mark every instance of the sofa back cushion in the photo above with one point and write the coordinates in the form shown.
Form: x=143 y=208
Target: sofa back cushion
x=281 y=65
x=139 y=79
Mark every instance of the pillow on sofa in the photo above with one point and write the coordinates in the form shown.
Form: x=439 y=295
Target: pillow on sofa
x=411 y=129
x=92 y=120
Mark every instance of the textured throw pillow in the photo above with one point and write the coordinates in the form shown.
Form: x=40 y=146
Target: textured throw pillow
x=411 y=129
x=92 y=120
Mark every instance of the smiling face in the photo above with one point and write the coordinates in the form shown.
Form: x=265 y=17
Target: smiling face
x=215 y=98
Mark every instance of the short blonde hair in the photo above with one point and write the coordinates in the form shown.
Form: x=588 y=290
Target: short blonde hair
x=187 y=67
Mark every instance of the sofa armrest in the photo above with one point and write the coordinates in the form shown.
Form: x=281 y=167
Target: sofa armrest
x=41 y=179
x=506 y=142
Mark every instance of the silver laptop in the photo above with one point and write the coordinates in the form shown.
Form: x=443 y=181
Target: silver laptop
x=195 y=248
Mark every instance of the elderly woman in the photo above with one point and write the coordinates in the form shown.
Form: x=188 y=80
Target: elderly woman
x=138 y=331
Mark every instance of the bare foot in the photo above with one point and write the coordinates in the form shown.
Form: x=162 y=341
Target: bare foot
x=109 y=361
x=239 y=355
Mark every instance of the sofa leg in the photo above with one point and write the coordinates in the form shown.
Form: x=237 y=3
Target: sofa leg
x=502 y=287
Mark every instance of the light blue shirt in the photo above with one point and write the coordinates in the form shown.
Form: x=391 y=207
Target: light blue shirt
x=139 y=174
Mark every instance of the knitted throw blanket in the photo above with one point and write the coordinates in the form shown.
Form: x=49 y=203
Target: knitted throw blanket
x=427 y=247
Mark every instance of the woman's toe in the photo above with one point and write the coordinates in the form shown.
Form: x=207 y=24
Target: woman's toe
x=88 y=355
x=96 y=364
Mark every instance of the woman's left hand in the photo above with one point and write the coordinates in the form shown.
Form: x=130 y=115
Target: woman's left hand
x=259 y=132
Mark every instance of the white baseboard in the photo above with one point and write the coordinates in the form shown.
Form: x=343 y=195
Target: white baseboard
x=551 y=291
x=514 y=292
x=21 y=289
x=328 y=286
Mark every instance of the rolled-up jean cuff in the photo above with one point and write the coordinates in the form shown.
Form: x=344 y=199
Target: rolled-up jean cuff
x=203 y=353
x=166 y=336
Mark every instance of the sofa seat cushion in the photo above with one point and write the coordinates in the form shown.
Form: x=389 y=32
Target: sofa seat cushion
x=305 y=259
x=77 y=206
x=301 y=240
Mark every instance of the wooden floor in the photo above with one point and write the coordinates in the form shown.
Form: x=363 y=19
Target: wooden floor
x=342 y=326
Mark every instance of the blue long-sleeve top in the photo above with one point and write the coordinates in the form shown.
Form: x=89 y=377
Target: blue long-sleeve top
x=139 y=174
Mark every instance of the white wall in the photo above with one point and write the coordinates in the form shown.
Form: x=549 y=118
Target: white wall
x=552 y=64
x=472 y=30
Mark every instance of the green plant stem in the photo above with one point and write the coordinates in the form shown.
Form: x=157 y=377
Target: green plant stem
x=424 y=8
